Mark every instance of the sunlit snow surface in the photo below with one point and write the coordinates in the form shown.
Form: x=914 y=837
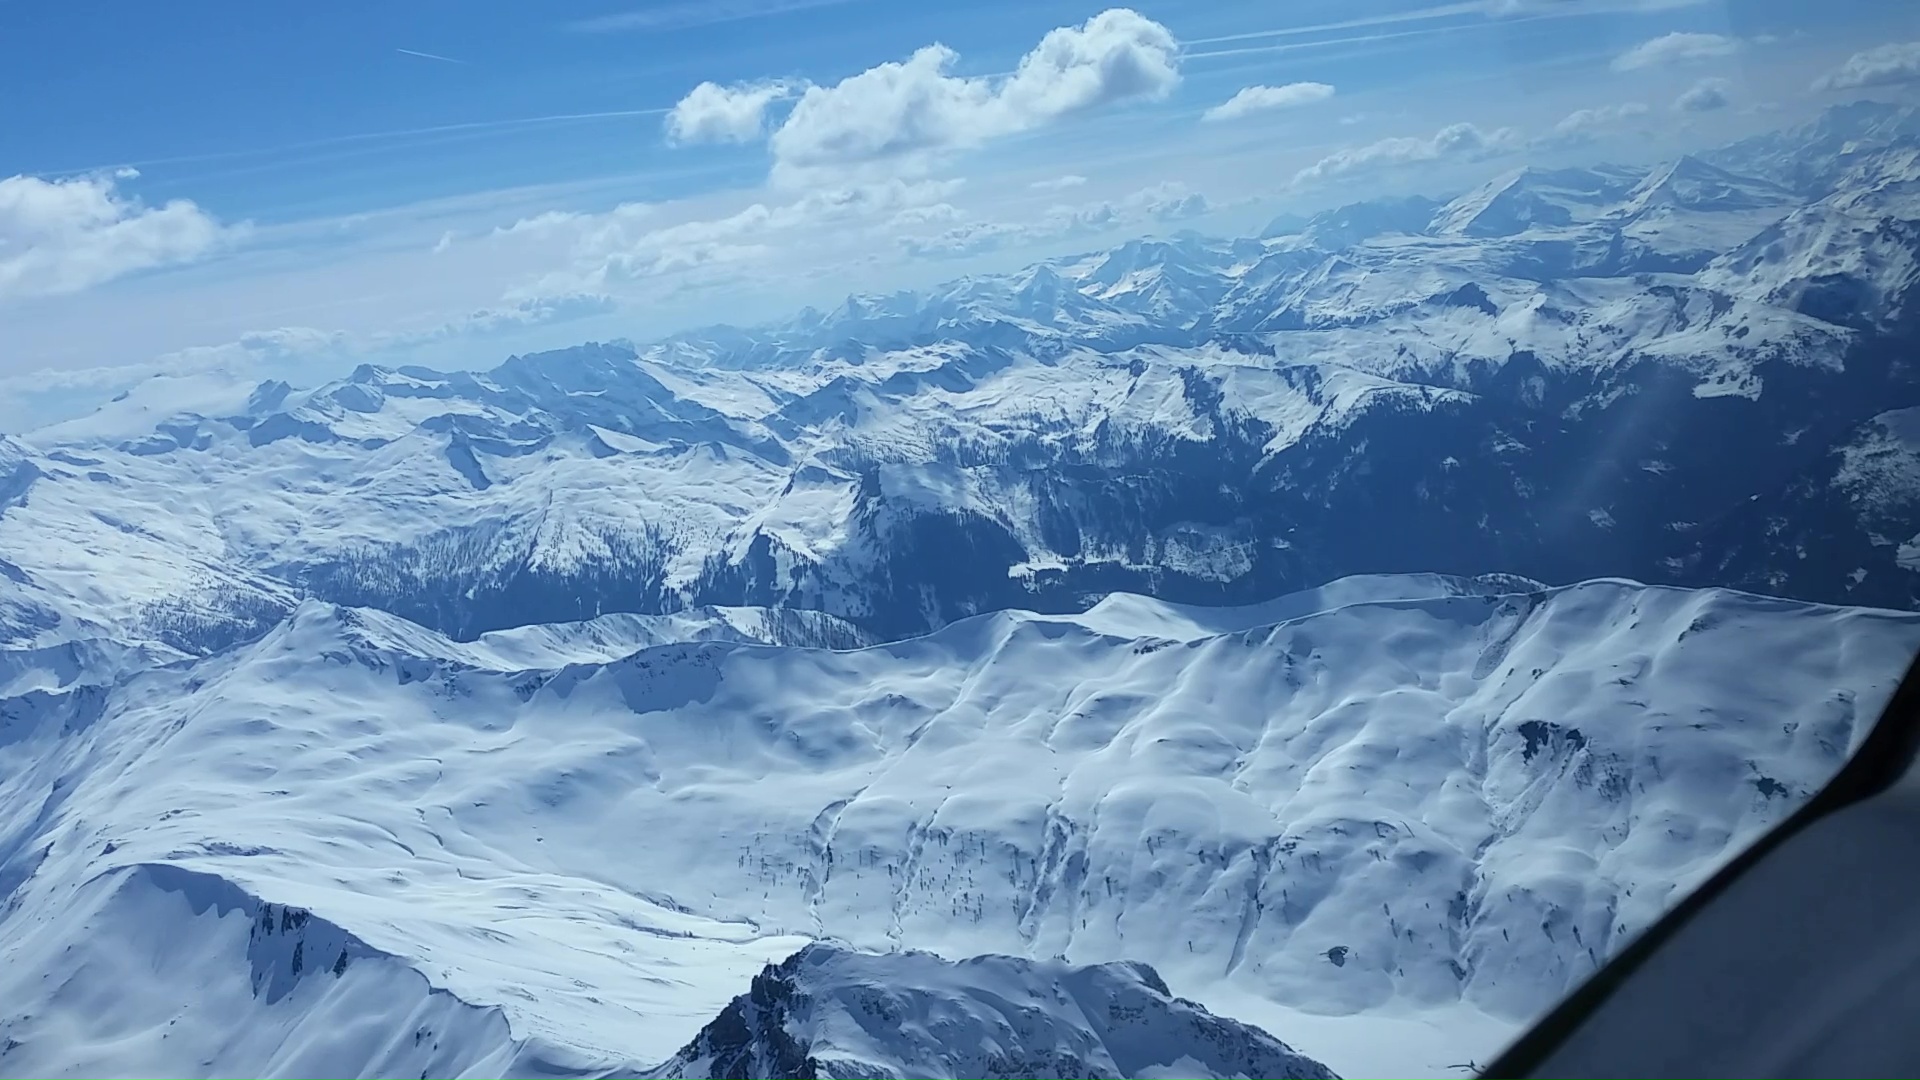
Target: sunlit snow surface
x=1415 y=809
x=696 y=675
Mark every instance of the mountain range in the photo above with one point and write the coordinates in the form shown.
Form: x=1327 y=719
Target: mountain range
x=1288 y=655
x=1666 y=374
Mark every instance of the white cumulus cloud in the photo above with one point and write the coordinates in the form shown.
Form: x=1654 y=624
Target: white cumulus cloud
x=1455 y=142
x=906 y=109
x=63 y=236
x=1059 y=183
x=1882 y=65
x=1675 y=48
x=1254 y=99
x=1704 y=96
x=714 y=113
x=1580 y=121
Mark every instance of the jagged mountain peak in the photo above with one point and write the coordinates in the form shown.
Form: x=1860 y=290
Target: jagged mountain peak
x=1863 y=119
x=903 y=302
x=1041 y=283
x=1692 y=183
x=1529 y=197
x=830 y=1012
x=1811 y=159
x=320 y=629
x=1353 y=223
x=1287 y=224
x=567 y=368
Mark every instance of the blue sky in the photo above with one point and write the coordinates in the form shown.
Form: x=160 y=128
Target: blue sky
x=227 y=185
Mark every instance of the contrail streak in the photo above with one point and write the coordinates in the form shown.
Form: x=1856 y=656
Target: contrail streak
x=429 y=56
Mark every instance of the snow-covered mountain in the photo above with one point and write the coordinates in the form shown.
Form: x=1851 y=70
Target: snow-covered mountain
x=1530 y=198
x=1810 y=160
x=832 y=1014
x=513 y=723
x=1564 y=374
x=1386 y=829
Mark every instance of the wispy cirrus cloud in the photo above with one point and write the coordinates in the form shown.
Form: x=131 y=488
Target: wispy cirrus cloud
x=1464 y=16
x=313 y=149
x=67 y=235
x=694 y=13
x=429 y=56
x=1582 y=7
x=1426 y=14
x=1253 y=99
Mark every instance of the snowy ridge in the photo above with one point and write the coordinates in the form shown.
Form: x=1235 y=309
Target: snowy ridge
x=366 y=633
x=272 y=991
x=613 y=636
x=525 y=500
x=1433 y=811
x=86 y=662
x=1130 y=616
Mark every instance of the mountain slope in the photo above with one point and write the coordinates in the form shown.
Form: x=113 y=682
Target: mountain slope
x=1419 y=801
x=179 y=973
